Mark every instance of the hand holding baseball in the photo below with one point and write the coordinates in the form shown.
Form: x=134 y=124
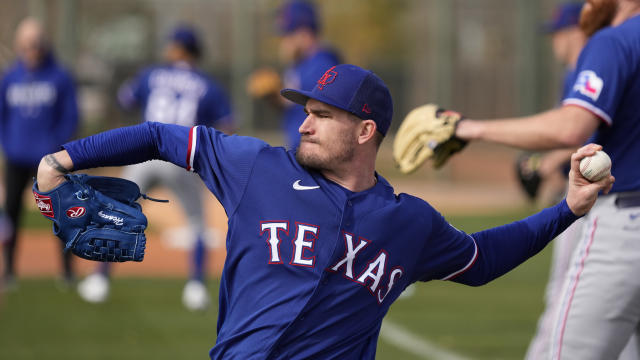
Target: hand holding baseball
x=582 y=192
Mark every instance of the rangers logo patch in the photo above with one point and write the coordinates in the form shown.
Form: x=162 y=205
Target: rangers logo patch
x=44 y=204
x=589 y=84
x=76 y=212
x=327 y=78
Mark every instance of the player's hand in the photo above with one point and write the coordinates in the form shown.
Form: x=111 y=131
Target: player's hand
x=264 y=82
x=52 y=169
x=582 y=193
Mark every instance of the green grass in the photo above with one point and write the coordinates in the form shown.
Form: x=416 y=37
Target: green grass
x=144 y=318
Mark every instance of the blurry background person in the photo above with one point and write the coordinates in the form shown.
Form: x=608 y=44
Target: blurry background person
x=307 y=60
x=38 y=113
x=175 y=93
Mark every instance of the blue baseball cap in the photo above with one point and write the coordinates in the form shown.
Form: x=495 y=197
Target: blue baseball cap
x=564 y=16
x=352 y=89
x=297 y=14
x=187 y=37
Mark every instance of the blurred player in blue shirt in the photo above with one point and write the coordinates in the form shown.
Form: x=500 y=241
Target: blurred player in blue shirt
x=173 y=93
x=38 y=113
x=308 y=59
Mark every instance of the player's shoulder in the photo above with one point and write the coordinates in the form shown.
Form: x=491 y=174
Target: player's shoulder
x=626 y=34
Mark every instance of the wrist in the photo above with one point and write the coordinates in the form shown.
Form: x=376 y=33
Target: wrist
x=52 y=169
x=468 y=129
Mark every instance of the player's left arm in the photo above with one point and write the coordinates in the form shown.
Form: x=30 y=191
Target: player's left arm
x=500 y=249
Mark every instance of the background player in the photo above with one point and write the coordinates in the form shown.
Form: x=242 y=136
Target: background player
x=175 y=93
x=38 y=113
x=567 y=43
x=600 y=305
x=307 y=59
x=319 y=246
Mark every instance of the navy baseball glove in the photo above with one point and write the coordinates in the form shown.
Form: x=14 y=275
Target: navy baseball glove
x=96 y=217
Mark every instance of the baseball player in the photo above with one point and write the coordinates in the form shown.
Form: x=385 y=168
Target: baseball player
x=38 y=113
x=174 y=93
x=301 y=48
x=567 y=43
x=319 y=246
x=599 y=308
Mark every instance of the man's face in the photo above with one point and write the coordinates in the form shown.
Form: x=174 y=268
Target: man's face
x=292 y=46
x=562 y=41
x=29 y=44
x=328 y=136
x=597 y=14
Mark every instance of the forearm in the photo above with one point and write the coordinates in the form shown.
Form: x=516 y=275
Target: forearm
x=117 y=147
x=564 y=127
x=503 y=248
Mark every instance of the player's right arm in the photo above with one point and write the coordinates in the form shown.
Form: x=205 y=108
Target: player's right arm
x=223 y=162
x=567 y=126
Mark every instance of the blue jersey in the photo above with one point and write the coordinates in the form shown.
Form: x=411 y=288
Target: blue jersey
x=38 y=111
x=303 y=76
x=177 y=94
x=312 y=267
x=608 y=84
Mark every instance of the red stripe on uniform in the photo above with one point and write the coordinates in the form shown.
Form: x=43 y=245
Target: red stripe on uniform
x=575 y=286
x=189 y=148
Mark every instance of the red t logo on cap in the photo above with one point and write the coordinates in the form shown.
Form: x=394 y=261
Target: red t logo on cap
x=328 y=77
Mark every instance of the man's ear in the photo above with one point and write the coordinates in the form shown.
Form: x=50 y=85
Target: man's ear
x=367 y=131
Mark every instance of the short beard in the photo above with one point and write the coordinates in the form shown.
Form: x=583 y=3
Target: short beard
x=328 y=162
x=599 y=14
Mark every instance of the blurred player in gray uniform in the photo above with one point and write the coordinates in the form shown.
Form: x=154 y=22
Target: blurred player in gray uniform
x=176 y=93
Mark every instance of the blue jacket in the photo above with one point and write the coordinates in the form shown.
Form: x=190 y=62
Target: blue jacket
x=38 y=111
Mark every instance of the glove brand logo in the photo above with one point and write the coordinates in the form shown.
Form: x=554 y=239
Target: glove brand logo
x=328 y=77
x=76 y=212
x=44 y=204
x=116 y=220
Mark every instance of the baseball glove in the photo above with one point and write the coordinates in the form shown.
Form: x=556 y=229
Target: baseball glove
x=426 y=132
x=96 y=217
x=527 y=165
x=264 y=82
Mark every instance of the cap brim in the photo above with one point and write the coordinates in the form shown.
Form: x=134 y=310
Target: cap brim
x=301 y=97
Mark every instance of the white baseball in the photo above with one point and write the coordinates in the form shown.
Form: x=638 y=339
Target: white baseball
x=596 y=167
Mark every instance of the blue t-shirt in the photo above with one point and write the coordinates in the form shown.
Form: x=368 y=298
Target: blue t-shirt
x=303 y=76
x=177 y=94
x=311 y=269
x=608 y=84
x=38 y=111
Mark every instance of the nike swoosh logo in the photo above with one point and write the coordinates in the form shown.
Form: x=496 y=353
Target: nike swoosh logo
x=634 y=216
x=297 y=186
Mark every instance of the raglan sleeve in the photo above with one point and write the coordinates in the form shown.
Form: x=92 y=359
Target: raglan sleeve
x=223 y=162
x=601 y=76
x=447 y=251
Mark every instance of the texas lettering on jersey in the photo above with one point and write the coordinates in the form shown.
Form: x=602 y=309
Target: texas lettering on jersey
x=303 y=241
